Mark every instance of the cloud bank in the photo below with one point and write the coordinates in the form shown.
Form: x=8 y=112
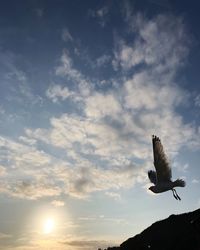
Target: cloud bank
x=106 y=142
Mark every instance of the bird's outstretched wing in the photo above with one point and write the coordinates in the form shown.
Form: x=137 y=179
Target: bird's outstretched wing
x=163 y=170
x=152 y=176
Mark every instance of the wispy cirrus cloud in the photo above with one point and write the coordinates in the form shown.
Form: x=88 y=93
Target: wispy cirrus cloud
x=16 y=87
x=66 y=36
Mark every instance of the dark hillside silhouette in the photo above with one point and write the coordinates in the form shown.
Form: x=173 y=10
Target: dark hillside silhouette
x=177 y=232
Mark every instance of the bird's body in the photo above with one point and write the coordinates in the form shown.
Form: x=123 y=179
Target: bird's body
x=161 y=178
x=162 y=187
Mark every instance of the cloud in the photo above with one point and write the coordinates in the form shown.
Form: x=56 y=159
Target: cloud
x=106 y=144
x=29 y=189
x=102 y=12
x=4 y=236
x=21 y=153
x=101 y=15
x=26 y=169
x=2 y=170
x=2 y=111
x=66 y=69
x=16 y=86
x=197 y=101
x=34 y=190
x=99 y=105
x=181 y=167
x=54 y=92
x=33 y=174
x=39 y=12
x=66 y=66
x=27 y=140
x=103 y=60
x=144 y=91
x=87 y=244
x=113 y=133
x=58 y=203
x=195 y=181
x=113 y=195
x=66 y=36
x=160 y=43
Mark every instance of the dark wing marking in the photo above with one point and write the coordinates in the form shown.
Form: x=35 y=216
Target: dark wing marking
x=152 y=176
x=161 y=163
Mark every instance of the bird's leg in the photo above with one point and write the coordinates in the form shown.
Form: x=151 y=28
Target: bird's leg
x=174 y=194
x=177 y=195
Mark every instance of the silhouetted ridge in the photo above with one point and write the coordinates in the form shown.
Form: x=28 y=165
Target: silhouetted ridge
x=177 y=232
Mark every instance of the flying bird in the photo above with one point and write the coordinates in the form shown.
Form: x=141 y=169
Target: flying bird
x=162 y=177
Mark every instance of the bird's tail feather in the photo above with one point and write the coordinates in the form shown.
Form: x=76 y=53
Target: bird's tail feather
x=179 y=183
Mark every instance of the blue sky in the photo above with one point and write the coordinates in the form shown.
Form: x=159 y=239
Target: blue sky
x=83 y=86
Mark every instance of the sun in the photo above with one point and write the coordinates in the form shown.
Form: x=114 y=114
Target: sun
x=48 y=226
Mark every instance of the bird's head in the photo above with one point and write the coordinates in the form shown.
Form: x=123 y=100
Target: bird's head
x=153 y=189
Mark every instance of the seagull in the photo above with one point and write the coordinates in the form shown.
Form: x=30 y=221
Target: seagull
x=161 y=178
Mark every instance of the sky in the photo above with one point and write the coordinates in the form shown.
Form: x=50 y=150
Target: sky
x=83 y=87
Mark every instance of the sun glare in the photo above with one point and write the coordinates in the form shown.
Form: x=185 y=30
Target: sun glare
x=49 y=225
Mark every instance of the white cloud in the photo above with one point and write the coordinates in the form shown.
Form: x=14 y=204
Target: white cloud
x=19 y=154
x=101 y=15
x=160 y=43
x=30 y=190
x=102 y=12
x=27 y=173
x=2 y=170
x=99 y=105
x=66 y=69
x=58 y=203
x=114 y=195
x=181 y=167
x=103 y=60
x=33 y=190
x=55 y=91
x=195 y=181
x=16 y=81
x=32 y=174
x=102 y=145
x=197 y=101
x=144 y=91
x=115 y=130
x=27 y=140
x=66 y=36
x=66 y=66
